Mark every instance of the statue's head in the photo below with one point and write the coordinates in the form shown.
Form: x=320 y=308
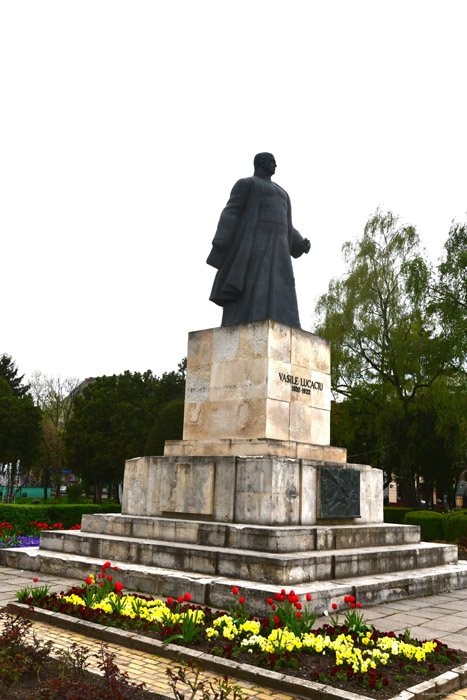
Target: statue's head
x=265 y=162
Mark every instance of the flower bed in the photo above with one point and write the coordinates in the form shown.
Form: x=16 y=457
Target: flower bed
x=347 y=653
x=13 y=537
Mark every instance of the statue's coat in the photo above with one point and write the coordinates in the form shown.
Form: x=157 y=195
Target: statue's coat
x=251 y=251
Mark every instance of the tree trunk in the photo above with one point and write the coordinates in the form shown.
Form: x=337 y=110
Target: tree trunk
x=45 y=481
x=409 y=493
x=98 y=491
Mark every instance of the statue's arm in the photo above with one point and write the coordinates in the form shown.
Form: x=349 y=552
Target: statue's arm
x=232 y=213
x=298 y=244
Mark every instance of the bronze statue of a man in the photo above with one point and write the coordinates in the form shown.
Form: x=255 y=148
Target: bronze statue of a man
x=251 y=251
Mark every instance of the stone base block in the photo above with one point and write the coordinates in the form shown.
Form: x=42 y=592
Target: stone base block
x=254 y=448
x=250 y=537
x=250 y=490
x=257 y=380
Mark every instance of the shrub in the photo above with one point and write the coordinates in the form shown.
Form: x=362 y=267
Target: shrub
x=431 y=523
x=73 y=494
x=17 y=656
x=455 y=525
x=395 y=515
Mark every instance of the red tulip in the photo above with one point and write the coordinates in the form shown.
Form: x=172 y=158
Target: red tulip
x=106 y=565
x=35 y=580
x=187 y=596
x=299 y=614
x=235 y=590
x=334 y=606
x=109 y=578
x=170 y=600
x=276 y=619
x=241 y=600
x=359 y=605
x=118 y=586
x=269 y=601
x=89 y=580
x=180 y=599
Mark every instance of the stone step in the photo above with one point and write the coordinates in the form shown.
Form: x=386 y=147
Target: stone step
x=266 y=567
x=217 y=590
x=260 y=538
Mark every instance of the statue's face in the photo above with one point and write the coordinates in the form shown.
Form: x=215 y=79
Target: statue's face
x=269 y=163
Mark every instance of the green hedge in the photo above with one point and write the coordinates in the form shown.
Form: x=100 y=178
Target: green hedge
x=19 y=516
x=396 y=515
x=431 y=523
x=455 y=525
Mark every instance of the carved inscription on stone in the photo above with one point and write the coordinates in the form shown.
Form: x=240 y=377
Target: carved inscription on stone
x=339 y=493
x=300 y=384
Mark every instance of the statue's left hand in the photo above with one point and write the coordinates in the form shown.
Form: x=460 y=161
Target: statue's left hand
x=306 y=245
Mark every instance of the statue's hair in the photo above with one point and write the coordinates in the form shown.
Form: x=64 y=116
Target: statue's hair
x=258 y=160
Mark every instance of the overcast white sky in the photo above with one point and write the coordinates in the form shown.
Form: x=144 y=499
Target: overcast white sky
x=124 y=125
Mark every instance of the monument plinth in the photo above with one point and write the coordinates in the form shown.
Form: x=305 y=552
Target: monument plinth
x=255 y=446
x=257 y=389
x=258 y=380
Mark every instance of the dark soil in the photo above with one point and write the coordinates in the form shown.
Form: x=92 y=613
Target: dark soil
x=400 y=673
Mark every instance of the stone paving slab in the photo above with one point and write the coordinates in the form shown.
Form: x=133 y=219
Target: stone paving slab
x=151 y=669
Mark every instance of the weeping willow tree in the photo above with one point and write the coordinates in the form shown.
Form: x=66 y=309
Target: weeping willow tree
x=387 y=347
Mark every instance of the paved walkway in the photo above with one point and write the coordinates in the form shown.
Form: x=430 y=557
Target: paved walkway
x=441 y=616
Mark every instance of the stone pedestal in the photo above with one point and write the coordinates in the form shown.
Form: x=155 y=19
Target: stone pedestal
x=258 y=380
x=262 y=490
x=254 y=495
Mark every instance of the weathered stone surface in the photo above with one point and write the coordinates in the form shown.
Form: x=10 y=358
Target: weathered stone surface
x=252 y=537
x=187 y=488
x=251 y=490
x=245 y=564
x=267 y=491
x=241 y=381
x=217 y=590
x=254 y=447
x=447 y=682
